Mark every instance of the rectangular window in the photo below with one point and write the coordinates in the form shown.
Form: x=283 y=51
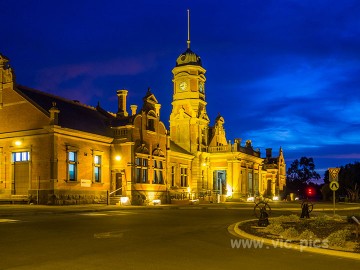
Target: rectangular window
x=21 y=156
x=97 y=169
x=72 y=166
x=172 y=176
x=183 y=177
x=141 y=170
x=158 y=172
x=151 y=124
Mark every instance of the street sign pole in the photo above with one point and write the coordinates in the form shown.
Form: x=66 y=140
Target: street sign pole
x=334 y=200
x=334 y=184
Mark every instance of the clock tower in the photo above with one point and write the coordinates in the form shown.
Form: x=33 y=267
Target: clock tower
x=189 y=120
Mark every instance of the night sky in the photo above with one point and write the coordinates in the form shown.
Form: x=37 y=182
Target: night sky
x=281 y=73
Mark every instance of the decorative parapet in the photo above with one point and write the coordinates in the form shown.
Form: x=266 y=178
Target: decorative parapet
x=234 y=148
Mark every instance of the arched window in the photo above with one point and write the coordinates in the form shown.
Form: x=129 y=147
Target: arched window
x=159 y=160
x=141 y=164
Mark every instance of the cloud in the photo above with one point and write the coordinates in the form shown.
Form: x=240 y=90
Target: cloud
x=78 y=81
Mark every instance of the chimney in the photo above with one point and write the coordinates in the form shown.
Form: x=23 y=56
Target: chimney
x=268 y=152
x=133 y=109
x=54 y=114
x=122 y=103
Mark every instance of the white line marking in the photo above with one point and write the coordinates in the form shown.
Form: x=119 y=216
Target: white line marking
x=115 y=234
x=4 y=220
x=92 y=214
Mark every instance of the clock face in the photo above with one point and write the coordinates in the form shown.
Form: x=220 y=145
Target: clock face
x=183 y=86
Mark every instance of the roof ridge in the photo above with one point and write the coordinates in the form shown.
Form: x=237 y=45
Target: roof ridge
x=57 y=97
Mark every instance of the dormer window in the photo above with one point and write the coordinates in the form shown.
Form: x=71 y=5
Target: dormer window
x=151 y=121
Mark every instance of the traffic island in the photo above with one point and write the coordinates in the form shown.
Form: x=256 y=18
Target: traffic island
x=323 y=234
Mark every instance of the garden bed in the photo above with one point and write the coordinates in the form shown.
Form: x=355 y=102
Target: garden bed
x=334 y=232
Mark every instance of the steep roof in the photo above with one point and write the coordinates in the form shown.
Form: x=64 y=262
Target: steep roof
x=176 y=148
x=73 y=114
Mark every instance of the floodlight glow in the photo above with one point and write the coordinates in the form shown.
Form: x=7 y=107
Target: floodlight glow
x=229 y=192
x=155 y=202
x=250 y=199
x=18 y=143
x=124 y=200
x=275 y=198
x=118 y=158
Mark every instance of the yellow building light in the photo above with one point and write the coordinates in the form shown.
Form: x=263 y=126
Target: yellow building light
x=156 y=202
x=18 y=143
x=124 y=201
x=229 y=191
x=117 y=157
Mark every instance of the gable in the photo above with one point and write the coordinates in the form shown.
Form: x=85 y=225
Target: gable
x=19 y=114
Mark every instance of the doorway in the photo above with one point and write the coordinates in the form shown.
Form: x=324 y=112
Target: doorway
x=21 y=173
x=118 y=183
x=268 y=189
x=219 y=182
x=21 y=178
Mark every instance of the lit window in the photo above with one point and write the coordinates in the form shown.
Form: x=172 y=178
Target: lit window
x=21 y=156
x=158 y=172
x=172 y=176
x=183 y=177
x=141 y=170
x=97 y=169
x=72 y=166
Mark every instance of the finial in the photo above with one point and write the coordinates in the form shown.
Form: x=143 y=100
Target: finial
x=188 y=40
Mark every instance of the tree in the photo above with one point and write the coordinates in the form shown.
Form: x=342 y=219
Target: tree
x=349 y=181
x=300 y=173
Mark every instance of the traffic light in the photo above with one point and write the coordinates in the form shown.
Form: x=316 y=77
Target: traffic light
x=310 y=192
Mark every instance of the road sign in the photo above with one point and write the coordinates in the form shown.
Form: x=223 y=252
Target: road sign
x=334 y=185
x=333 y=174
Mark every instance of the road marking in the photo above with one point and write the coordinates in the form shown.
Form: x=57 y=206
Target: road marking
x=191 y=207
x=120 y=213
x=115 y=234
x=4 y=220
x=108 y=213
x=93 y=214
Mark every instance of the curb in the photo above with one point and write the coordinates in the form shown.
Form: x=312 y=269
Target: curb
x=241 y=233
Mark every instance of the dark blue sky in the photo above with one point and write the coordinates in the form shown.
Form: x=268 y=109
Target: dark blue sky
x=281 y=73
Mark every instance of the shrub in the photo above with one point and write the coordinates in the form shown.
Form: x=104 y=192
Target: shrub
x=320 y=221
x=307 y=235
x=290 y=233
x=291 y=218
x=337 y=217
x=338 y=238
x=304 y=224
x=280 y=219
x=275 y=228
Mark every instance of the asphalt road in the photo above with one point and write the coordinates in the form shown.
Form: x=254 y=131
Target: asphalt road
x=143 y=239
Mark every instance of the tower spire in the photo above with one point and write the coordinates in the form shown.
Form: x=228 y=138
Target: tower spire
x=188 y=40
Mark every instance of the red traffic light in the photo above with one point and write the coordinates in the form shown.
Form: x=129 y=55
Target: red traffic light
x=310 y=191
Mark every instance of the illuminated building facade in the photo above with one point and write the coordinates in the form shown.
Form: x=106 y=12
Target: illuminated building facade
x=59 y=151
x=217 y=166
